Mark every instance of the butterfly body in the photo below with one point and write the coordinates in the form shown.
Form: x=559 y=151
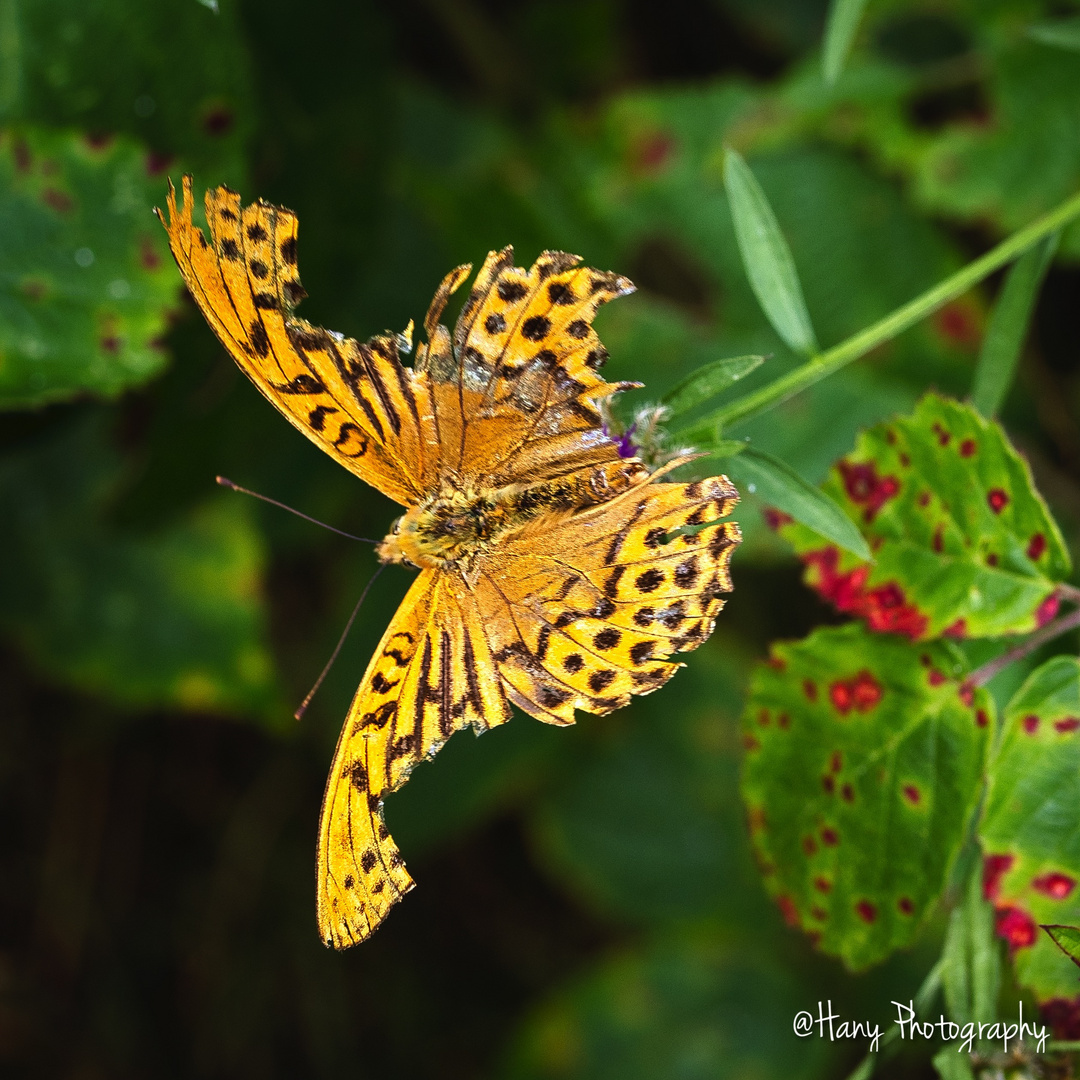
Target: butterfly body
x=456 y=527
x=555 y=574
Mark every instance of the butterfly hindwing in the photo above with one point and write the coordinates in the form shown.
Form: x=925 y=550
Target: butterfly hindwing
x=591 y=607
x=431 y=675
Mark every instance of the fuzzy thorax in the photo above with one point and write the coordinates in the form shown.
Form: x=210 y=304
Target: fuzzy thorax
x=456 y=526
x=450 y=528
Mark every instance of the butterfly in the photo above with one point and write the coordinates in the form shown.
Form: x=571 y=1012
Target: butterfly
x=555 y=573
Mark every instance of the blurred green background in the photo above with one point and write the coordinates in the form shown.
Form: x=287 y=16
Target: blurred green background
x=586 y=903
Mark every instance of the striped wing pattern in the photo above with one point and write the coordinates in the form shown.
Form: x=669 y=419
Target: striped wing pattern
x=432 y=674
x=577 y=610
x=502 y=404
x=582 y=615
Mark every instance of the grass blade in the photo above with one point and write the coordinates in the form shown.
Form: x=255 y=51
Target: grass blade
x=1008 y=326
x=767 y=257
x=708 y=381
x=840 y=30
x=1061 y=33
x=778 y=484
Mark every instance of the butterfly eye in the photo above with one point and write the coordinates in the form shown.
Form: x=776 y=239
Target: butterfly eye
x=395 y=528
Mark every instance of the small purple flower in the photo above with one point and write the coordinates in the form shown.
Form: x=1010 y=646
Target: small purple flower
x=624 y=442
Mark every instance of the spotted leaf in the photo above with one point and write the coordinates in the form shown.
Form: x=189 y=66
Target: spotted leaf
x=85 y=286
x=1029 y=832
x=963 y=544
x=862 y=768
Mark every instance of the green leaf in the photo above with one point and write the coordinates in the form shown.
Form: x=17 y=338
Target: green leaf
x=952 y=1063
x=708 y=381
x=864 y=758
x=170 y=73
x=964 y=544
x=971 y=973
x=1060 y=33
x=767 y=257
x=840 y=30
x=1067 y=939
x=779 y=485
x=86 y=281
x=174 y=618
x=985 y=172
x=1008 y=327
x=1029 y=832
x=689 y=1007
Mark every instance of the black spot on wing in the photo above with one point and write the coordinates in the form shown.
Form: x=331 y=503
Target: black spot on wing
x=551 y=696
x=317 y=416
x=294 y=292
x=511 y=291
x=601 y=680
x=300 y=384
x=536 y=328
x=260 y=344
x=686 y=573
x=381 y=684
x=560 y=292
x=358 y=776
x=650 y=580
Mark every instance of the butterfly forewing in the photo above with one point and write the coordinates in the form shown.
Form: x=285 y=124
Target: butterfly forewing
x=348 y=398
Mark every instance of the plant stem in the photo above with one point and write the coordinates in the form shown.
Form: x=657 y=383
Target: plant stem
x=981 y=676
x=1069 y=592
x=818 y=367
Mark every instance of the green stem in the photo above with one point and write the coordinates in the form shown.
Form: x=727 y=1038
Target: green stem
x=818 y=367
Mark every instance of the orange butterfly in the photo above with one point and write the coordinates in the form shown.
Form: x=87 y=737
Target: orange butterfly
x=548 y=579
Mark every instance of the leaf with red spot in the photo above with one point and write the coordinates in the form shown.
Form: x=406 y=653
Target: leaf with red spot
x=88 y=284
x=1030 y=833
x=963 y=544
x=863 y=764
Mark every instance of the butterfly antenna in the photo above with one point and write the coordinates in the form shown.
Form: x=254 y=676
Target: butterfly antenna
x=341 y=641
x=225 y=482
